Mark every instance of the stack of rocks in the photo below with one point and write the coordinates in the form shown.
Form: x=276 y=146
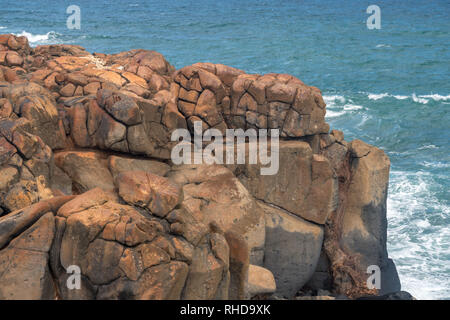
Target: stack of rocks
x=87 y=181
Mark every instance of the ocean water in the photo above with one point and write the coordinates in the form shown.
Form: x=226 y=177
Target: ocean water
x=388 y=87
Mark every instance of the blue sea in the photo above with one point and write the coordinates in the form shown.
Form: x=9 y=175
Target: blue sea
x=389 y=87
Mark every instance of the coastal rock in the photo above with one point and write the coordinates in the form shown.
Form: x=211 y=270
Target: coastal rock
x=221 y=95
x=26 y=166
x=153 y=192
x=119 y=164
x=365 y=222
x=260 y=281
x=139 y=226
x=38 y=106
x=25 y=272
x=292 y=249
x=213 y=193
x=356 y=233
x=304 y=184
x=87 y=170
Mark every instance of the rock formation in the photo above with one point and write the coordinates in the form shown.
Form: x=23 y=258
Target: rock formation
x=87 y=183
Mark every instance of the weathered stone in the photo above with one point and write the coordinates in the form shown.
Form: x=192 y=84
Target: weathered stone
x=12 y=223
x=13 y=59
x=260 y=281
x=281 y=92
x=125 y=110
x=78 y=128
x=206 y=108
x=292 y=249
x=205 y=275
x=223 y=199
x=308 y=178
x=68 y=90
x=147 y=190
x=92 y=198
x=24 y=270
x=364 y=222
x=91 y=88
x=8 y=176
x=87 y=169
x=119 y=164
x=77 y=79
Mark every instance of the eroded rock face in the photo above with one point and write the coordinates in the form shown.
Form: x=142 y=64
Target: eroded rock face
x=24 y=263
x=224 y=97
x=214 y=194
x=304 y=184
x=26 y=166
x=260 y=281
x=140 y=227
x=292 y=249
x=122 y=251
x=356 y=231
x=34 y=103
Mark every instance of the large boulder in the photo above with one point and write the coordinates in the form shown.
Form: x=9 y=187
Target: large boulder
x=36 y=104
x=121 y=252
x=261 y=281
x=119 y=164
x=87 y=169
x=26 y=166
x=115 y=121
x=357 y=230
x=222 y=97
x=25 y=272
x=304 y=184
x=25 y=241
x=213 y=194
x=292 y=249
x=364 y=225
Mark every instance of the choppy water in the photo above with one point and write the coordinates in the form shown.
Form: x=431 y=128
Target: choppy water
x=389 y=87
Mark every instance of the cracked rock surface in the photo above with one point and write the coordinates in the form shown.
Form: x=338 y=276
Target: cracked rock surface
x=86 y=180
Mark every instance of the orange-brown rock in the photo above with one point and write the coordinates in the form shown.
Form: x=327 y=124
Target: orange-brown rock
x=139 y=227
x=147 y=190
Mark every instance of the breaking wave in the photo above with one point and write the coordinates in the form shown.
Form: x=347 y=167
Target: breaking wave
x=50 y=37
x=424 y=99
x=415 y=216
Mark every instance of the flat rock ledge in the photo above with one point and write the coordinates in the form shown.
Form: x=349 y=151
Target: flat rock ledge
x=92 y=206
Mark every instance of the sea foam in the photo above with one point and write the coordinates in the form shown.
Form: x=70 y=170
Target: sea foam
x=34 y=39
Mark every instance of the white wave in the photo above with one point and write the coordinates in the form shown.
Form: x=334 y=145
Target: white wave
x=399 y=97
x=416 y=242
x=437 y=164
x=35 y=39
x=374 y=96
x=383 y=45
x=418 y=99
x=334 y=114
x=2 y=27
x=424 y=99
x=429 y=146
x=338 y=105
x=352 y=107
x=331 y=100
x=436 y=97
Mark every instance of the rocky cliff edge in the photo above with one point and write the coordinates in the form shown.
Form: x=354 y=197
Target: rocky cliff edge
x=87 y=184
